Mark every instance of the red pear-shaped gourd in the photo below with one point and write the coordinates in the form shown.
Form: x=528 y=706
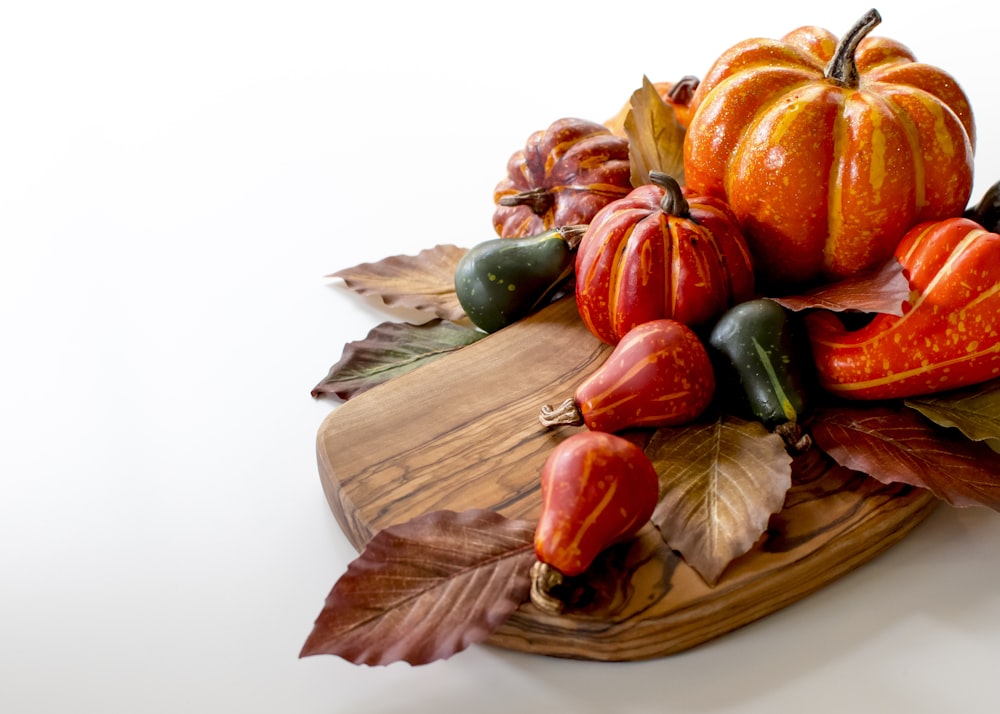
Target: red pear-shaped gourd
x=598 y=489
x=659 y=374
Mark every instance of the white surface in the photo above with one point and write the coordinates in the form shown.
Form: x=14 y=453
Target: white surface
x=176 y=179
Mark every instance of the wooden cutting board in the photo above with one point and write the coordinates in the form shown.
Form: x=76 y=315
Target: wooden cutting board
x=462 y=432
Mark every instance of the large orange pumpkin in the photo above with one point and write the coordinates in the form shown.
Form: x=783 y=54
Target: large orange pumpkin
x=829 y=152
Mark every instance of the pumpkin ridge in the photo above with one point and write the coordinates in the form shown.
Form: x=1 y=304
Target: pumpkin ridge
x=760 y=168
x=671 y=249
x=835 y=187
x=614 y=293
x=754 y=55
x=944 y=88
x=912 y=134
x=763 y=89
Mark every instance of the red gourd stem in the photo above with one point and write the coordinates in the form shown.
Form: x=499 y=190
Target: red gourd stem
x=673 y=201
x=572 y=235
x=567 y=413
x=545 y=584
x=843 y=69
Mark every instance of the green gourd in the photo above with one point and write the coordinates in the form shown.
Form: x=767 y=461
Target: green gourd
x=502 y=280
x=987 y=212
x=767 y=350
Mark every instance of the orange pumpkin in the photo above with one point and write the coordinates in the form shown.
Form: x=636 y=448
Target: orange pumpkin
x=829 y=152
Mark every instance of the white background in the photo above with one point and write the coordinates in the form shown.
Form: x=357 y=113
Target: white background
x=176 y=179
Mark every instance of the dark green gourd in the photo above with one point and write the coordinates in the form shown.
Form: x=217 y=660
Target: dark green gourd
x=502 y=280
x=768 y=353
x=987 y=212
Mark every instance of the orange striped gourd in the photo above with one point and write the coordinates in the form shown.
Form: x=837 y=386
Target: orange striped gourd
x=948 y=335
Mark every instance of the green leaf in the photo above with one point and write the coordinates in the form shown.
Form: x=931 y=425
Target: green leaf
x=389 y=350
x=655 y=137
x=975 y=412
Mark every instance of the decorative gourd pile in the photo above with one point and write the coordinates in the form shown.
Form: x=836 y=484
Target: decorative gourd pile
x=806 y=161
x=742 y=246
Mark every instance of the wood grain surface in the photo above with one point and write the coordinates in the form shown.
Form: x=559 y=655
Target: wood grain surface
x=462 y=432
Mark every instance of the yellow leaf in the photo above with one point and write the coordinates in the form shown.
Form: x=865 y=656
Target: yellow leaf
x=655 y=138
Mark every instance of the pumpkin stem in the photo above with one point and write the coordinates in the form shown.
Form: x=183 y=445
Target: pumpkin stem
x=566 y=414
x=683 y=90
x=673 y=201
x=843 y=68
x=539 y=200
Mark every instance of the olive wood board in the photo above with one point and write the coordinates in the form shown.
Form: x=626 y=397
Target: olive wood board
x=462 y=432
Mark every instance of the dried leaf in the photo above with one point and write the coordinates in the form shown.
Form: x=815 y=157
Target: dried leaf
x=426 y=589
x=901 y=446
x=884 y=290
x=655 y=137
x=424 y=282
x=720 y=482
x=975 y=412
x=389 y=350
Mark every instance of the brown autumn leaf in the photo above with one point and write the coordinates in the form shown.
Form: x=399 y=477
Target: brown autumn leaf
x=424 y=282
x=974 y=411
x=884 y=290
x=426 y=589
x=720 y=482
x=389 y=350
x=901 y=446
x=655 y=137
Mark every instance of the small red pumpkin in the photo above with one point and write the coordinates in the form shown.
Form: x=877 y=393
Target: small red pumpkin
x=563 y=176
x=660 y=252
